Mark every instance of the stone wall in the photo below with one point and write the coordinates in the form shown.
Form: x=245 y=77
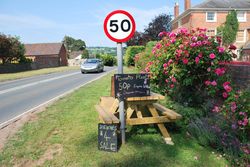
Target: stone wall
x=12 y=68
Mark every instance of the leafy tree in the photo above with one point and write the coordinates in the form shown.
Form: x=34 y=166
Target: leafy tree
x=74 y=44
x=98 y=55
x=230 y=28
x=137 y=39
x=85 y=54
x=158 y=24
x=11 y=49
x=151 y=32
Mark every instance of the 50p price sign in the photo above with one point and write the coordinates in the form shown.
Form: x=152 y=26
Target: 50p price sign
x=119 y=26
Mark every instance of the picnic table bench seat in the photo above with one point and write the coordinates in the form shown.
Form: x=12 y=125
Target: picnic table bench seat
x=136 y=112
x=107 y=109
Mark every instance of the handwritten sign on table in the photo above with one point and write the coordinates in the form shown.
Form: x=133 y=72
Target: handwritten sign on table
x=131 y=85
x=107 y=137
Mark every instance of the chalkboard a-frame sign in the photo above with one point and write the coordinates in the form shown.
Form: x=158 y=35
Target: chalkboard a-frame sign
x=107 y=137
x=131 y=85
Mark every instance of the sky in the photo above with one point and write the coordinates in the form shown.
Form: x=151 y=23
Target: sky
x=40 y=21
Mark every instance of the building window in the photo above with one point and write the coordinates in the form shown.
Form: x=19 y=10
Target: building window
x=240 y=36
x=241 y=16
x=211 y=32
x=211 y=17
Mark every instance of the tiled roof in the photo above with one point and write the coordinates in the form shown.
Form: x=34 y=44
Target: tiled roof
x=234 y=4
x=43 y=49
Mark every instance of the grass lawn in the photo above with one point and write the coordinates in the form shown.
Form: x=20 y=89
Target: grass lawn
x=25 y=74
x=66 y=135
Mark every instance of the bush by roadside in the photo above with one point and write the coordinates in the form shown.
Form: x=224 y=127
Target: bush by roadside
x=131 y=51
x=108 y=60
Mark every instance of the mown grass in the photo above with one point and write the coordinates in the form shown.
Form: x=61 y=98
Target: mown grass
x=25 y=74
x=72 y=123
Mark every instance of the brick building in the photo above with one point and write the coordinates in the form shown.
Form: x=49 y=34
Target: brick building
x=211 y=14
x=46 y=55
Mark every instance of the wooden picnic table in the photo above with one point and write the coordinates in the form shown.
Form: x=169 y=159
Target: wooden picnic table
x=138 y=111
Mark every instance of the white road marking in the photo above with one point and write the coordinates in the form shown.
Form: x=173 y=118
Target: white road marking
x=6 y=123
x=36 y=83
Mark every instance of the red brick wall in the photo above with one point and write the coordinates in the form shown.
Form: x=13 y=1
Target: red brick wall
x=63 y=56
x=240 y=72
x=46 y=61
x=198 y=19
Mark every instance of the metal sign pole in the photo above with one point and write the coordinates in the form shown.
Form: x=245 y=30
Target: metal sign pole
x=121 y=104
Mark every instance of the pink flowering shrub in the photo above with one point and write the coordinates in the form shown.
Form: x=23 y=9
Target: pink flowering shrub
x=189 y=66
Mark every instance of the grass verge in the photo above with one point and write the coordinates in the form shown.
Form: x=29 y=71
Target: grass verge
x=66 y=135
x=25 y=74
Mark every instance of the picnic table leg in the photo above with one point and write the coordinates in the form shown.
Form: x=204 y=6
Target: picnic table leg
x=161 y=126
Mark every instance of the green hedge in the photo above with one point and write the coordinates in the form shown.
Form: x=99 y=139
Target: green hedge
x=108 y=60
x=130 y=54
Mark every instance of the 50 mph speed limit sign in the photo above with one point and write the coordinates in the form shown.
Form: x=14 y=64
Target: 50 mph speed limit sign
x=119 y=26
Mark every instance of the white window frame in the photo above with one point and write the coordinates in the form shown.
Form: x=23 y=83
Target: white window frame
x=215 y=16
x=244 y=37
x=245 y=16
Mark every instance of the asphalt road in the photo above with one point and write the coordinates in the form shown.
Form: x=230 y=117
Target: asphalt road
x=20 y=96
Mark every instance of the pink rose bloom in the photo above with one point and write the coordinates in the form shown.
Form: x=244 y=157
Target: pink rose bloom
x=245 y=121
x=225 y=95
x=172 y=35
x=166 y=80
x=212 y=56
x=207 y=83
x=227 y=88
x=214 y=83
x=216 y=109
x=165 y=65
x=172 y=40
x=163 y=33
x=219 y=71
x=158 y=45
x=208 y=69
x=199 y=43
x=200 y=55
x=194 y=38
x=173 y=79
x=172 y=86
x=221 y=50
x=233 y=106
x=178 y=52
x=197 y=60
x=226 y=83
x=193 y=45
x=154 y=50
x=185 y=61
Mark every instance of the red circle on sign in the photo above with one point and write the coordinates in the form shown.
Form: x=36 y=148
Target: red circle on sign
x=130 y=35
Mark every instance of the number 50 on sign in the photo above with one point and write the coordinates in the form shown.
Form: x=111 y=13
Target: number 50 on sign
x=119 y=26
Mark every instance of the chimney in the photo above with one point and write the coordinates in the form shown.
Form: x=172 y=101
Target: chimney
x=187 y=4
x=176 y=10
